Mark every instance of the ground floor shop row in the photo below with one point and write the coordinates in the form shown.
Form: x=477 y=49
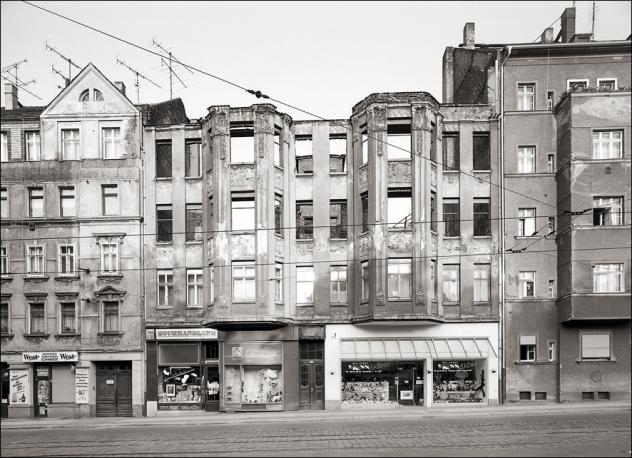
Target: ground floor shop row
x=71 y=384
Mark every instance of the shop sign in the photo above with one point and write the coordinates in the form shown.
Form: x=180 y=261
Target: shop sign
x=19 y=388
x=81 y=385
x=49 y=356
x=186 y=334
x=406 y=394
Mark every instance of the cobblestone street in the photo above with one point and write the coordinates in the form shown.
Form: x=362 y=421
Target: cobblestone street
x=559 y=434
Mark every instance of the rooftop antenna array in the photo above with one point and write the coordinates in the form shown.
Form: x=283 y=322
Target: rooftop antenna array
x=138 y=74
x=13 y=78
x=67 y=59
x=66 y=80
x=170 y=65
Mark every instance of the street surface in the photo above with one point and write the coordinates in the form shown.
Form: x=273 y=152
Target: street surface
x=565 y=434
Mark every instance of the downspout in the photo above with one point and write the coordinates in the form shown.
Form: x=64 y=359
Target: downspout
x=143 y=309
x=501 y=277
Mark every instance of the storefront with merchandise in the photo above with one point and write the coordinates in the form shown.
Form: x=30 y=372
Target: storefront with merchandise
x=381 y=365
x=183 y=370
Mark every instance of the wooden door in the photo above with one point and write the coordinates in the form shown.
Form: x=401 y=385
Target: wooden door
x=311 y=386
x=114 y=390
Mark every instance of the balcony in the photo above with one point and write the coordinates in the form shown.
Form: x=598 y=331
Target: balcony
x=594 y=307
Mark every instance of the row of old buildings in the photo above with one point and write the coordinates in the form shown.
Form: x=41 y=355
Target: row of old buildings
x=418 y=253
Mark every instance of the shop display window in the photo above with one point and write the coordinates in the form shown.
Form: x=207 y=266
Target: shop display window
x=457 y=382
x=179 y=385
x=369 y=382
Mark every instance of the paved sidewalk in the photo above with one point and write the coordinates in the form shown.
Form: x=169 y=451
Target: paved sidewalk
x=189 y=418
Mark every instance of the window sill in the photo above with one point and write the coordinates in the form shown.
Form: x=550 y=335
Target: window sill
x=163 y=178
x=451 y=237
x=304 y=240
x=242 y=232
x=195 y=307
x=338 y=239
x=110 y=333
x=534 y=363
x=66 y=277
x=451 y=171
x=482 y=171
x=193 y=178
x=304 y=174
x=36 y=278
x=193 y=242
x=526 y=237
x=338 y=304
x=399 y=299
x=602 y=360
x=244 y=302
x=6 y=335
x=34 y=335
x=337 y=173
x=110 y=276
x=6 y=278
x=364 y=301
x=400 y=159
x=399 y=229
x=242 y=163
x=482 y=237
x=67 y=334
x=306 y=304
x=483 y=303
x=451 y=303
x=164 y=307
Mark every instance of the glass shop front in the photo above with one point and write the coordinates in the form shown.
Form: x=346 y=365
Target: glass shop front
x=382 y=383
x=456 y=382
x=253 y=376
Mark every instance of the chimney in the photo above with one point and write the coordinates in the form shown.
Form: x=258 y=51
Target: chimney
x=10 y=96
x=547 y=35
x=468 y=35
x=568 y=25
x=120 y=86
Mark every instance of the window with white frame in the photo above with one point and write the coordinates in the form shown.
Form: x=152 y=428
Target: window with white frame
x=193 y=159
x=365 y=147
x=66 y=260
x=595 y=346
x=242 y=145
x=5 y=328
x=67 y=318
x=550 y=163
x=165 y=287
x=526 y=96
x=527 y=348
x=552 y=350
x=67 y=205
x=451 y=283
x=481 y=282
x=576 y=85
x=526 y=159
x=550 y=100
x=607 y=211
x=110 y=199
x=527 y=283
x=243 y=211
x=195 y=288
x=110 y=316
x=4 y=260
x=364 y=273
x=304 y=284
x=112 y=147
x=243 y=281
x=109 y=258
x=4 y=156
x=37 y=317
x=32 y=140
x=69 y=144
x=338 y=284
x=4 y=203
x=608 y=278
x=526 y=222
x=399 y=278
x=35 y=260
x=609 y=84
x=607 y=144
x=36 y=202
x=278 y=282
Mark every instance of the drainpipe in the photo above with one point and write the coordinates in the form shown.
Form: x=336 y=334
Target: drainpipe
x=502 y=313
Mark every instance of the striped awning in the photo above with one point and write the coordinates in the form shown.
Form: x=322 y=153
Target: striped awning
x=385 y=349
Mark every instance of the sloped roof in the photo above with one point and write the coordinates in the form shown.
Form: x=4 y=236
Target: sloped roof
x=170 y=112
x=21 y=114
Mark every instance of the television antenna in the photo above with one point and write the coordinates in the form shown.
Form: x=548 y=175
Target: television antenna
x=66 y=80
x=19 y=84
x=138 y=74
x=170 y=66
x=67 y=59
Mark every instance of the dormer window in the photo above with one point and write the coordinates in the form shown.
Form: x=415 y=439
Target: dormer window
x=97 y=96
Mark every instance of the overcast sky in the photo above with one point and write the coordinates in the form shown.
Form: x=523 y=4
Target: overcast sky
x=323 y=57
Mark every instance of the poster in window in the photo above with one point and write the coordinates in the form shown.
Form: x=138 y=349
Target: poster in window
x=19 y=388
x=170 y=389
x=81 y=385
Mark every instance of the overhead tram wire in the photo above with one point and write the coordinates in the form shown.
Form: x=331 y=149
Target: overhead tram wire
x=259 y=94
x=71 y=223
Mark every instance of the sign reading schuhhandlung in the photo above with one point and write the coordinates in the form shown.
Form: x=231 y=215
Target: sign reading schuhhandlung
x=186 y=334
x=49 y=356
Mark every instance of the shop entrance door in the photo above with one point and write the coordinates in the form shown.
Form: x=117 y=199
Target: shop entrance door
x=114 y=389
x=410 y=386
x=42 y=390
x=312 y=387
x=311 y=375
x=212 y=388
x=4 y=390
